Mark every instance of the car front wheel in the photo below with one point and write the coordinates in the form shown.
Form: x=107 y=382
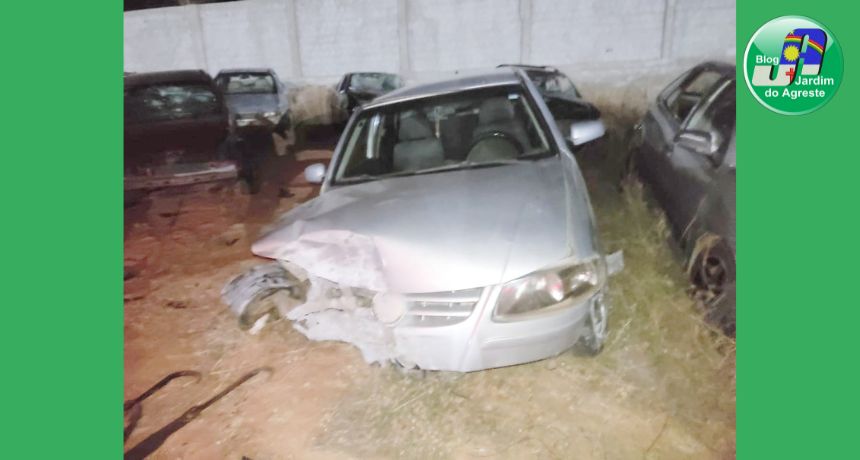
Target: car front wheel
x=591 y=342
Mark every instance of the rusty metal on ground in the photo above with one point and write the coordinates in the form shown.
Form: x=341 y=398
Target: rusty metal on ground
x=152 y=442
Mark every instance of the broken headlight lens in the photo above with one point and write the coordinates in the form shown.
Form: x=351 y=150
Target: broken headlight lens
x=550 y=287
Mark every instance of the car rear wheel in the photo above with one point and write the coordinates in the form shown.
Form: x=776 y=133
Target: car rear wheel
x=712 y=273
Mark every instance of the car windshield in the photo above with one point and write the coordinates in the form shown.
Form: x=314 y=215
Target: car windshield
x=248 y=83
x=476 y=128
x=169 y=102
x=553 y=83
x=374 y=82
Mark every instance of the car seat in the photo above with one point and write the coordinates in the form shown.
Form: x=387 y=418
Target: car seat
x=417 y=147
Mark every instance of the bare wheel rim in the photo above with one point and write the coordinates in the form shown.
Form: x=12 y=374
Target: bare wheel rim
x=598 y=320
x=714 y=273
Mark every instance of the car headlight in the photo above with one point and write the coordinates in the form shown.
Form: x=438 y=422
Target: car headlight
x=543 y=289
x=270 y=114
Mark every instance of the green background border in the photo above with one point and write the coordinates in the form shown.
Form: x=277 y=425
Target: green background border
x=62 y=229
x=797 y=238
x=62 y=201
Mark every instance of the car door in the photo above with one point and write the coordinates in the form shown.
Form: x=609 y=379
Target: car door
x=691 y=174
x=281 y=90
x=663 y=123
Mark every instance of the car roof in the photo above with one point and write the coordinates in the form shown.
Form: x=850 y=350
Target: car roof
x=247 y=70
x=725 y=69
x=542 y=68
x=173 y=76
x=501 y=77
x=372 y=72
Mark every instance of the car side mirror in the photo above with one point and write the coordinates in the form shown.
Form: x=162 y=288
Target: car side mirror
x=583 y=132
x=701 y=142
x=315 y=173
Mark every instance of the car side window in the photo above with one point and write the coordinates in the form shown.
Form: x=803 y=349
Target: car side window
x=680 y=100
x=716 y=115
x=357 y=142
x=343 y=84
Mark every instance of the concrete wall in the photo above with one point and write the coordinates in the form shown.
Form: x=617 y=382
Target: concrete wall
x=446 y=35
x=597 y=31
x=336 y=36
x=163 y=39
x=238 y=36
x=319 y=40
x=703 y=24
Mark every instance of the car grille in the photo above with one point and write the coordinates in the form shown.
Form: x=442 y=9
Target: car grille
x=440 y=308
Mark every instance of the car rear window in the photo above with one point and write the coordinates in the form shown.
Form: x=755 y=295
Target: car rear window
x=553 y=83
x=169 y=102
x=374 y=82
x=247 y=83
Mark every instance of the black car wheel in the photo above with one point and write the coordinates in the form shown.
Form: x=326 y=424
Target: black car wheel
x=248 y=154
x=252 y=175
x=712 y=273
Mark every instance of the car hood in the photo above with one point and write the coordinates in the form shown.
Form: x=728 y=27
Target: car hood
x=439 y=232
x=252 y=103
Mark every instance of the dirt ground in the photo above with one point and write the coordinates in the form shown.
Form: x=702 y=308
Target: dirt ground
x=664 y=387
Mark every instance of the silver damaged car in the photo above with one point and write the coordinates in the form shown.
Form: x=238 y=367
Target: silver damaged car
x=453 y=231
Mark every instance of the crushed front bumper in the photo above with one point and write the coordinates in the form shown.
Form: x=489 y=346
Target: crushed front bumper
x=451 y=331
x=182 y=174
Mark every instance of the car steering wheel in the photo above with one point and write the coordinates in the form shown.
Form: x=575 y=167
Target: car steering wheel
x=497 y=136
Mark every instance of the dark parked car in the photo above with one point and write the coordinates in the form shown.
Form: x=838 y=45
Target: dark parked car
x=684 y=150
x=565 y=102
x=359 y=88
x=255 y=97
x=176 y=131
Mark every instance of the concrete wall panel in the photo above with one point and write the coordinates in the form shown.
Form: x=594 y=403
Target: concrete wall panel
x=246 y=34
x=162 y=39
x=446 y=35
x=596 y=31
x=339 y=36
x=703 y=28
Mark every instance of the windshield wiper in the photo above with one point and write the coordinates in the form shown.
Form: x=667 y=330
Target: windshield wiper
x=466 y=165
x=536 y=155
x=369 y=177
x=443 y=168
